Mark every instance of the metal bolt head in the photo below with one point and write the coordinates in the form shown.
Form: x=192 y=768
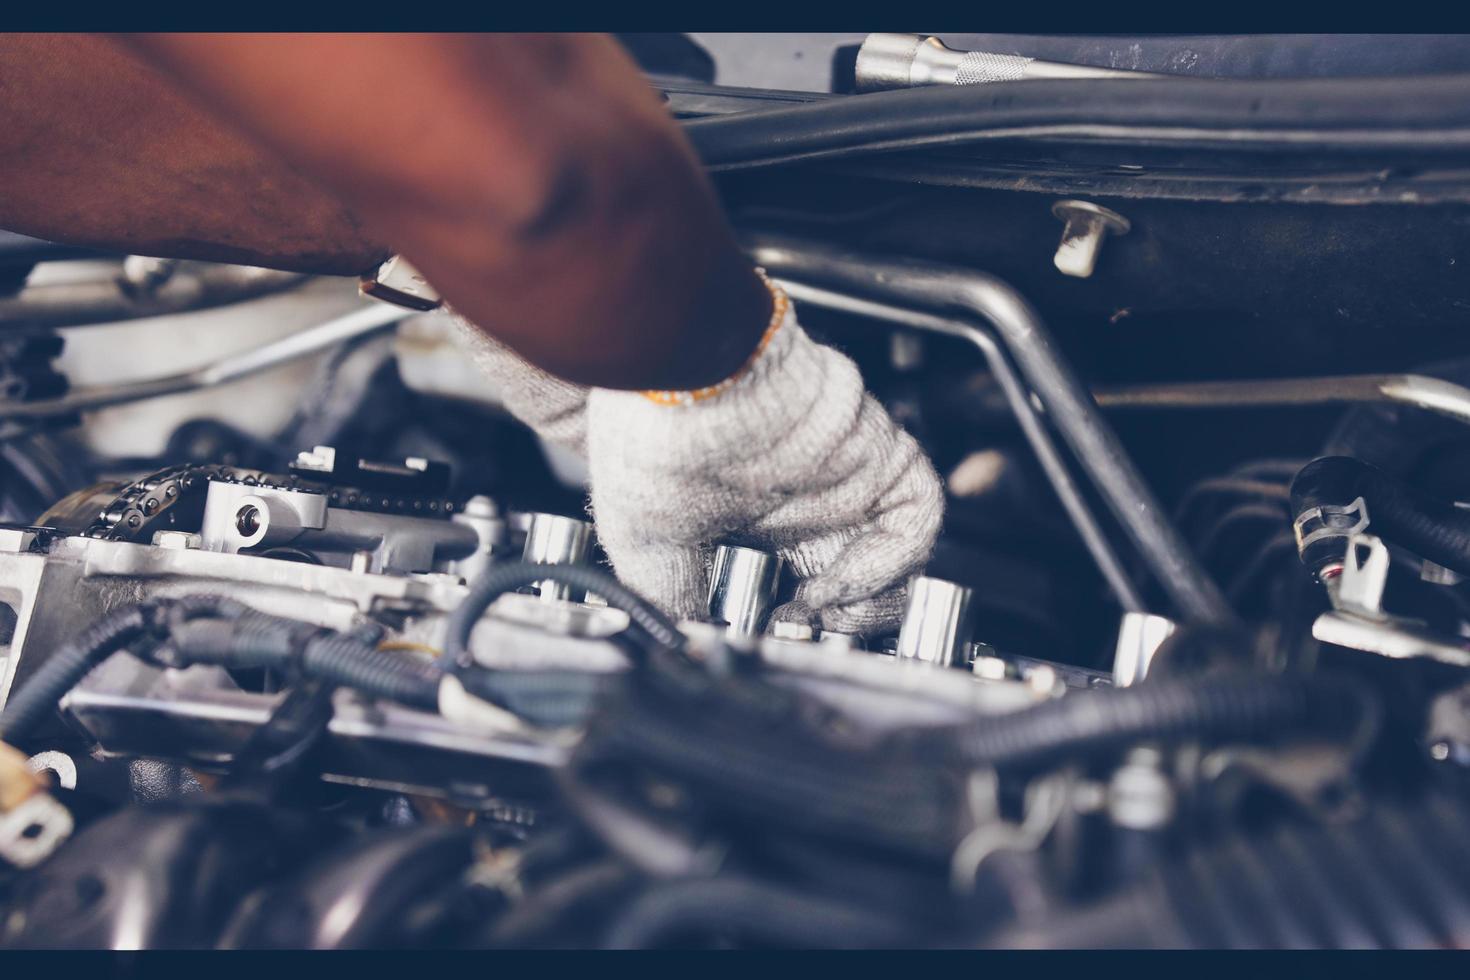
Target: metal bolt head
x=990 y=668
x=1140 y=796
x=840 y=641
x=783 y=630
x=1043 y=681
x=176 y=540
x=1086 y=225
x=15 y=540
x=247 y=521
x=144 y=275
x=480 y=506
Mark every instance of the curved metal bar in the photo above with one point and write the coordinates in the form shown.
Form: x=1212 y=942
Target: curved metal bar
x=1431 y=394
x=1019 y=400
x=944 y=289
x=195 y=286
x=358 y=323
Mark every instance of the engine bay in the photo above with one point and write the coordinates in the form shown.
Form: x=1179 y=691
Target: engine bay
x=308 y=643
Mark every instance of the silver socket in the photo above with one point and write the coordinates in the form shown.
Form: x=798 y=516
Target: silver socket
x=1139 y=637
x=742 y=588
x=555 y=540
x=936 y=626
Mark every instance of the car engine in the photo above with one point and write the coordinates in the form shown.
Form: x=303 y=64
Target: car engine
x=309 y=644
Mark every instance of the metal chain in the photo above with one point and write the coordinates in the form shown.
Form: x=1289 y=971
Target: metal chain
x=147 y=505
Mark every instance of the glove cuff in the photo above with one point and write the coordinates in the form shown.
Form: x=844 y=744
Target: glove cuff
x=781 y=312
x=553 y=408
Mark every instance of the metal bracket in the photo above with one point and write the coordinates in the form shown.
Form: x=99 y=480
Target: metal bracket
x=30 y=831
x=1044 y=802
x=1329 y=522
x=1358 y=621
x=1364 y=575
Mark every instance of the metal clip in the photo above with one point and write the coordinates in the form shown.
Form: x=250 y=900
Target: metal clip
x=33 y=829
x=1329 y=520
x=1043 y=805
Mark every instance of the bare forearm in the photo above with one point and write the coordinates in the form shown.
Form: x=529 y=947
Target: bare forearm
x=535 y=181
x=99 y=149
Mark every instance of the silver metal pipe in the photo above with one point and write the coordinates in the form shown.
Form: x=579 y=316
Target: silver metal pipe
x=358 y=323
x=1018 y=397
x=555 y=540
x=742 y=588
x=1068 y=404
x=1431 y=394
x=936 y=626
x=190 y=286
x=887 y=61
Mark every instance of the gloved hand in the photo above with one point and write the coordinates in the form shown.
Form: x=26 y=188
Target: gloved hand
x=555 y=409
x=791 y=455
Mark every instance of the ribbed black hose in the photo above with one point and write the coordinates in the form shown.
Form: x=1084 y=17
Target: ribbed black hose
x=751 y=910
x=184 y=608
x=1433 y=529
x=645 y=619
x=38 y=697
x=345 y=662
x=257 y=640
x=1221 y=708
x=1397 y=878
x=213 y=629
x=779 y=773
x=251 y=641
x=546 y=917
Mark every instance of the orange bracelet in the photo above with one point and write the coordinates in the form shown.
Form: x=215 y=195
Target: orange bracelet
x=778 y=314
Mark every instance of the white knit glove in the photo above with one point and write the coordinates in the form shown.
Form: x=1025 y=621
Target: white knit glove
x=556 y=410
x=791 y=455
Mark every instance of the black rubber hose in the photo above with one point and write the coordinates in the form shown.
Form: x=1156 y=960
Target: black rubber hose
x=251 y=641
x=38 y=697
x=1221 y=708
x=645 y=619
x=345 y=662
x=773 y=773
x=64 y=670
x=1433 y=529
x=257 y=640
x=1389 y=879
x=214 y=629
x=1255 y=114
x=548 y=917
x=750 y=910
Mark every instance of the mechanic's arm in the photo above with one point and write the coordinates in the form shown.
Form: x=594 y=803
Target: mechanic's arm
x=99 y=149
x=536 y=181
x=543 y=190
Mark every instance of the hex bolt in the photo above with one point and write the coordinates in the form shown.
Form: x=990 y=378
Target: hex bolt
x=176 y=540
x=1087 y=224
x=783 y=630
x=480 y=506
x=247 y=520
x=143 y=276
